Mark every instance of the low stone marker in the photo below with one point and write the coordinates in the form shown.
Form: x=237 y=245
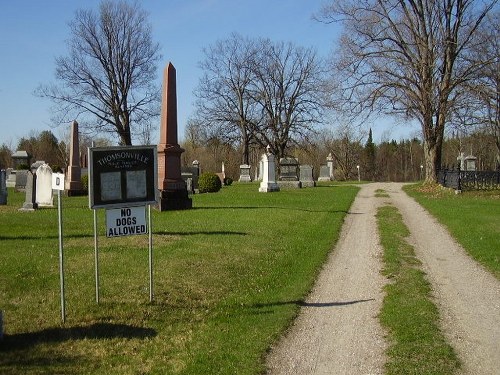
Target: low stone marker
x=245 y=173
x=30 y=202
x=324 y=173
x=306 y=176
x=289 y=173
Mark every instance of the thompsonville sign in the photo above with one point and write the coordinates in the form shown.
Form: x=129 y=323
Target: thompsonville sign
x=122 y=176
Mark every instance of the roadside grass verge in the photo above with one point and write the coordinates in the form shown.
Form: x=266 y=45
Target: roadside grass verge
x=416 y=344
x=229 y=276
x=472 y=217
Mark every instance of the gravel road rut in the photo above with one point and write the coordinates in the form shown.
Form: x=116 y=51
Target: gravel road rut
x=337 y=330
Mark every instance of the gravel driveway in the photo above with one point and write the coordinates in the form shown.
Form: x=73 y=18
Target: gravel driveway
x=337 y=330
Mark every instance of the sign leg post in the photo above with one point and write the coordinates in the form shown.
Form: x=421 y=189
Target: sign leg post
x=96 y=259
x=150 y=255
x=61 y=256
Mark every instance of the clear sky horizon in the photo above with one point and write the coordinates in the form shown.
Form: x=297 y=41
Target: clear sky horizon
x=33 y=33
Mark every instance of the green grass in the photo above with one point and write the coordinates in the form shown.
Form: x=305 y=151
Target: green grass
x=416 y=345
x=473 y=219
x=229 y=276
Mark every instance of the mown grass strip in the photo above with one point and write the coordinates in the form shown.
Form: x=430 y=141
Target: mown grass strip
x=229 y=278
x=472 y=217
x=416 y=344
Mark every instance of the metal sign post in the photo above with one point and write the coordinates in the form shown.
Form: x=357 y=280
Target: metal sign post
x=150 y=230
x=58 y=184
x=123 y=181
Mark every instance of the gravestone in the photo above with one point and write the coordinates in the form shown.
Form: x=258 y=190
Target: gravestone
x=36 y=164
x=191 y=175
x=3 y=187
x=20 y=157
x=289 y=173
x=21 y=179
x=11 y=178
x=329 y=164
x=30 y=201
x=324 y=173
x=306 y=176
x=245 y=173
x=268 y=183
x=173 y=194
x=44 y=196
x=74 y=172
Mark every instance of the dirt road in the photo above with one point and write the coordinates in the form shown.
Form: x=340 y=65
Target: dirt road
x=338 y=332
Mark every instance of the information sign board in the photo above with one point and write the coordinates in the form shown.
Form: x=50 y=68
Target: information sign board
x=125 y=221
x=122 y=176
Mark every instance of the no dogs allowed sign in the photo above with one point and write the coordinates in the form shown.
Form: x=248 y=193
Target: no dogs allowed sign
x=125 y=221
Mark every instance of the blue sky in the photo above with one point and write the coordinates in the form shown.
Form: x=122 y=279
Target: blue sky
x=33 y=34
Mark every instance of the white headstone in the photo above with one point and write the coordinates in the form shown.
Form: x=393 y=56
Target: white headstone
x=44 y=196
x=268 y=183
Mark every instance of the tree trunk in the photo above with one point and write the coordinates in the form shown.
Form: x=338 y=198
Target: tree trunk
x=432 y=160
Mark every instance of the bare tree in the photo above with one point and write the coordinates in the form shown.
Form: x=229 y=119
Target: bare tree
x=482 y=107
x=107 y=80
x=405 y=57
x=288 y=87
x=223 y=102
x=260 y=92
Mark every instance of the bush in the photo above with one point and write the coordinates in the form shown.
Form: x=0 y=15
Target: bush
x=228 y=181
x=209 y=183
x=23 y=167
x=85 y=182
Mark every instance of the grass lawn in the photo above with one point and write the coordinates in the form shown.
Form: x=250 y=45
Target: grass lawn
x=228 y=278
x=472 y=217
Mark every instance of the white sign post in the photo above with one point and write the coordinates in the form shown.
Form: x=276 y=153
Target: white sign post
x=58 y=184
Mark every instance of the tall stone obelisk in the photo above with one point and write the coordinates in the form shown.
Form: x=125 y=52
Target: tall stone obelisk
x=173 y=191
x=74 y=172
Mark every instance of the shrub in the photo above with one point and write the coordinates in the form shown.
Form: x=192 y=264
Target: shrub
x=85 y=182
x=209 y=183
x=23 y=167
x=228 y=181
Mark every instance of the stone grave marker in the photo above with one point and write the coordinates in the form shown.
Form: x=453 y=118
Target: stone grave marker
x=289 y=176
x=30 y=201
x=306 y=176
x=44 y=196
x=21 y=179
x=324 y=173
x=245 y=173
x=268 y=183
x=11 y=177
x=3 y=187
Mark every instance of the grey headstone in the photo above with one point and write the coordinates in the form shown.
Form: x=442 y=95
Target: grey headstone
x=30 y=202
x=3 y=187
x=245 y=173
x=324 y=173
x=21 y=178
x=306 y=176
x=289 y=169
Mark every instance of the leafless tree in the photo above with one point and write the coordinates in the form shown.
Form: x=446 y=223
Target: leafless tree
x=288 y=87
x=224 y=104
x=481 y=108
x=260 y=92
x=406 y=57
x=107 y=80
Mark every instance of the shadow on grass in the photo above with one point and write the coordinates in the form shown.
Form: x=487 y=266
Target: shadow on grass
x=208 y=233
x=266 y=208
x=313 y=304
x=55 y=335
